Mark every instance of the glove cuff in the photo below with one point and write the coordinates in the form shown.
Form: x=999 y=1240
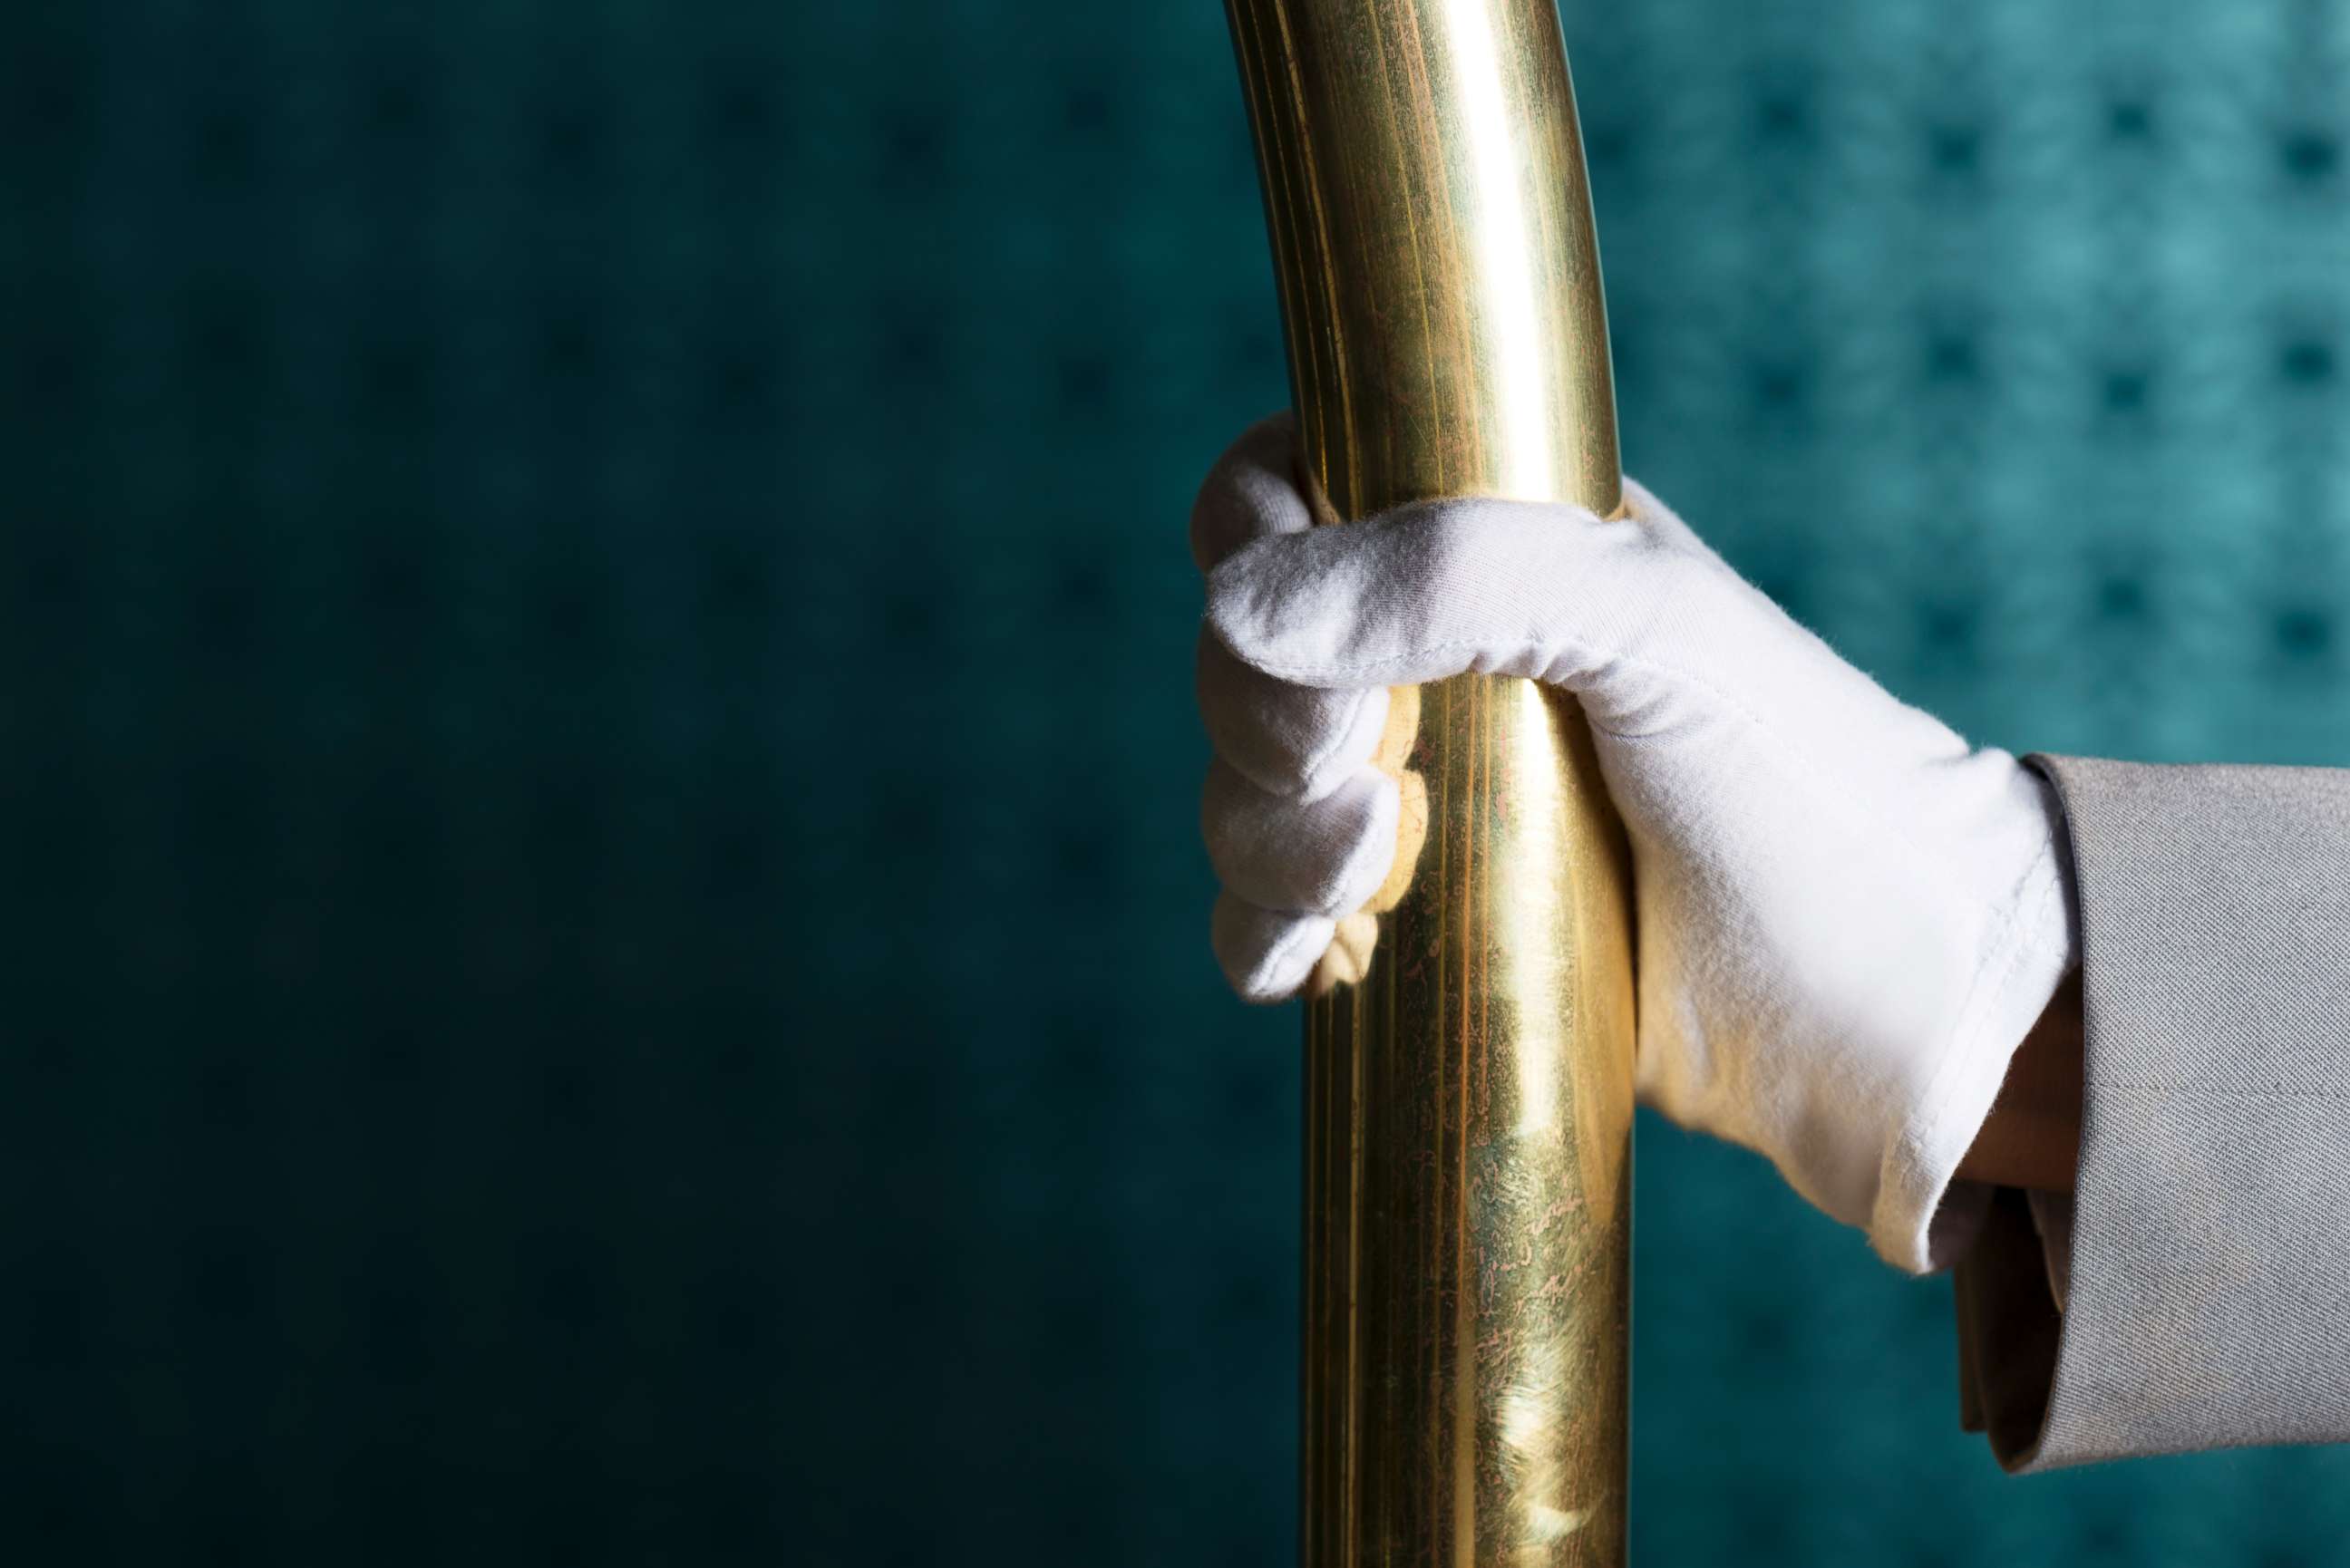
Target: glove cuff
x=1924 y=1219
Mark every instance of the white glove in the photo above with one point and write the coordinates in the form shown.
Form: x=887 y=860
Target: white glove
x=1847 y=919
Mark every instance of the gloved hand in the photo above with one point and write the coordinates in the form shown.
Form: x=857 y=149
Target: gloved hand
x=1847 y=918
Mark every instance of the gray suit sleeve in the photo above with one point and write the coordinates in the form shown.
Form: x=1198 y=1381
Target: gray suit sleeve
x=2209 y=1301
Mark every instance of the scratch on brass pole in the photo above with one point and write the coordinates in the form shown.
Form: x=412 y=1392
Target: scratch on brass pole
x=1468 y=1106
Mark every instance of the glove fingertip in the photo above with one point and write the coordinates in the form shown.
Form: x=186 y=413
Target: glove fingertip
x=1365 y=868
x=1266 y=956
x=1347 y=960
x=1300 y=743
x=1350 y=748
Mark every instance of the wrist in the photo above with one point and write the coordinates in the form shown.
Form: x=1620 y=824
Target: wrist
x=2031 y=1138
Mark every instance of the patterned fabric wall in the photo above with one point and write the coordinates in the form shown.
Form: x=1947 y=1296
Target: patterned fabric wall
x=606 y=946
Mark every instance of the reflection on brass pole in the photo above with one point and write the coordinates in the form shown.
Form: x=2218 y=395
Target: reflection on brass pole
x=1468 y=1105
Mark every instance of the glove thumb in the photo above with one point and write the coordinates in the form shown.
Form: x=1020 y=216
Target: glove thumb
x=1432 y=590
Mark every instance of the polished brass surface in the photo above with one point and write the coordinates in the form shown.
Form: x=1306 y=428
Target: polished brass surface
x=1468 y=1102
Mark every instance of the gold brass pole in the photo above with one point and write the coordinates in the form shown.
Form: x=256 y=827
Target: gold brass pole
x=1468 y=1134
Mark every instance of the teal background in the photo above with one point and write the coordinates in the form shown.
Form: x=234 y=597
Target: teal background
x=605 y=946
